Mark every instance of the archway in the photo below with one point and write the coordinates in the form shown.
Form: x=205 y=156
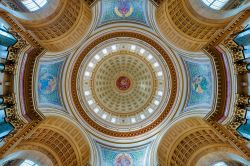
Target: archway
x=188 y=140
x=57 y=140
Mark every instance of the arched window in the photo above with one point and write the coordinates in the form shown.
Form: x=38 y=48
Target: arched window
x=6 y=40
x=215 y=4
x=221 y=163
x=28 y=163
x=33 y=5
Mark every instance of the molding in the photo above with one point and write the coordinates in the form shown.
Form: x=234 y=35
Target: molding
x=217 y=114
x=214 y=54
x=35 y=117
x=101 y=128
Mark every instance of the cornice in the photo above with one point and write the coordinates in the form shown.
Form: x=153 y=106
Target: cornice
x=224 y=132
x=217 y=57
x=215 y=116
x=35 y=117
x=13 y=139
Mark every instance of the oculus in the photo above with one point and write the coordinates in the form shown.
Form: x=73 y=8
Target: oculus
x=123 y=84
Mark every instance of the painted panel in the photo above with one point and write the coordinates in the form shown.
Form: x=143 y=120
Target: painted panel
x=123 y=10
x=49 y=76
x=123 y=157
x=200 y=84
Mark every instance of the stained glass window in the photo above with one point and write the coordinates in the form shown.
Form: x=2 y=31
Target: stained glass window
x=215 y=4
x=33 y=5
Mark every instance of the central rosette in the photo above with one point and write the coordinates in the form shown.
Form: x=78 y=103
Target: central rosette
x=123 y=83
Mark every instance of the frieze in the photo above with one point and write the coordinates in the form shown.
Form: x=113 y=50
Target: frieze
x=225 y=37
x=212 y=51
x=23 y=39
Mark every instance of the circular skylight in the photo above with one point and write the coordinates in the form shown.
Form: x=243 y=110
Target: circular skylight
x=123 y=84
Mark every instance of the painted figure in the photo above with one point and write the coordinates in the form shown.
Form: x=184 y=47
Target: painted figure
x=123 y=159
x=124 y=8
x=199 y=84
x=47 y=83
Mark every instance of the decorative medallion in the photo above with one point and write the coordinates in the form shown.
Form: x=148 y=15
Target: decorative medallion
x=123 y=159
x=123 y=83
x=123 y=8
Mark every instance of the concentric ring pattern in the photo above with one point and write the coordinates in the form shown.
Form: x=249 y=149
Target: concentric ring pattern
x=123 y=85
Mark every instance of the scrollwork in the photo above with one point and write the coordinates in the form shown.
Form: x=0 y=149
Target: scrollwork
x=16 y=48
x=238 y=118
x=242 y=100
x=9 y=99
x=13 y=118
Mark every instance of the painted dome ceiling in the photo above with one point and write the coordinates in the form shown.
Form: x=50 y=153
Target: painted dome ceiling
x=124 y=79
x=122 y=84
x=116 y=80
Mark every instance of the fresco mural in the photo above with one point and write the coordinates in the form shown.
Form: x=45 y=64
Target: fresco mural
x=123 y=157
x=48 y=83
x=123 y=10
x=200 y=82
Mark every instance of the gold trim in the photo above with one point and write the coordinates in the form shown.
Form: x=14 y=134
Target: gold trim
x=156 y=122
x=148 y=100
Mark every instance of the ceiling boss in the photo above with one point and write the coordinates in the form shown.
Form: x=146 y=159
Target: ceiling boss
x=123 y=83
